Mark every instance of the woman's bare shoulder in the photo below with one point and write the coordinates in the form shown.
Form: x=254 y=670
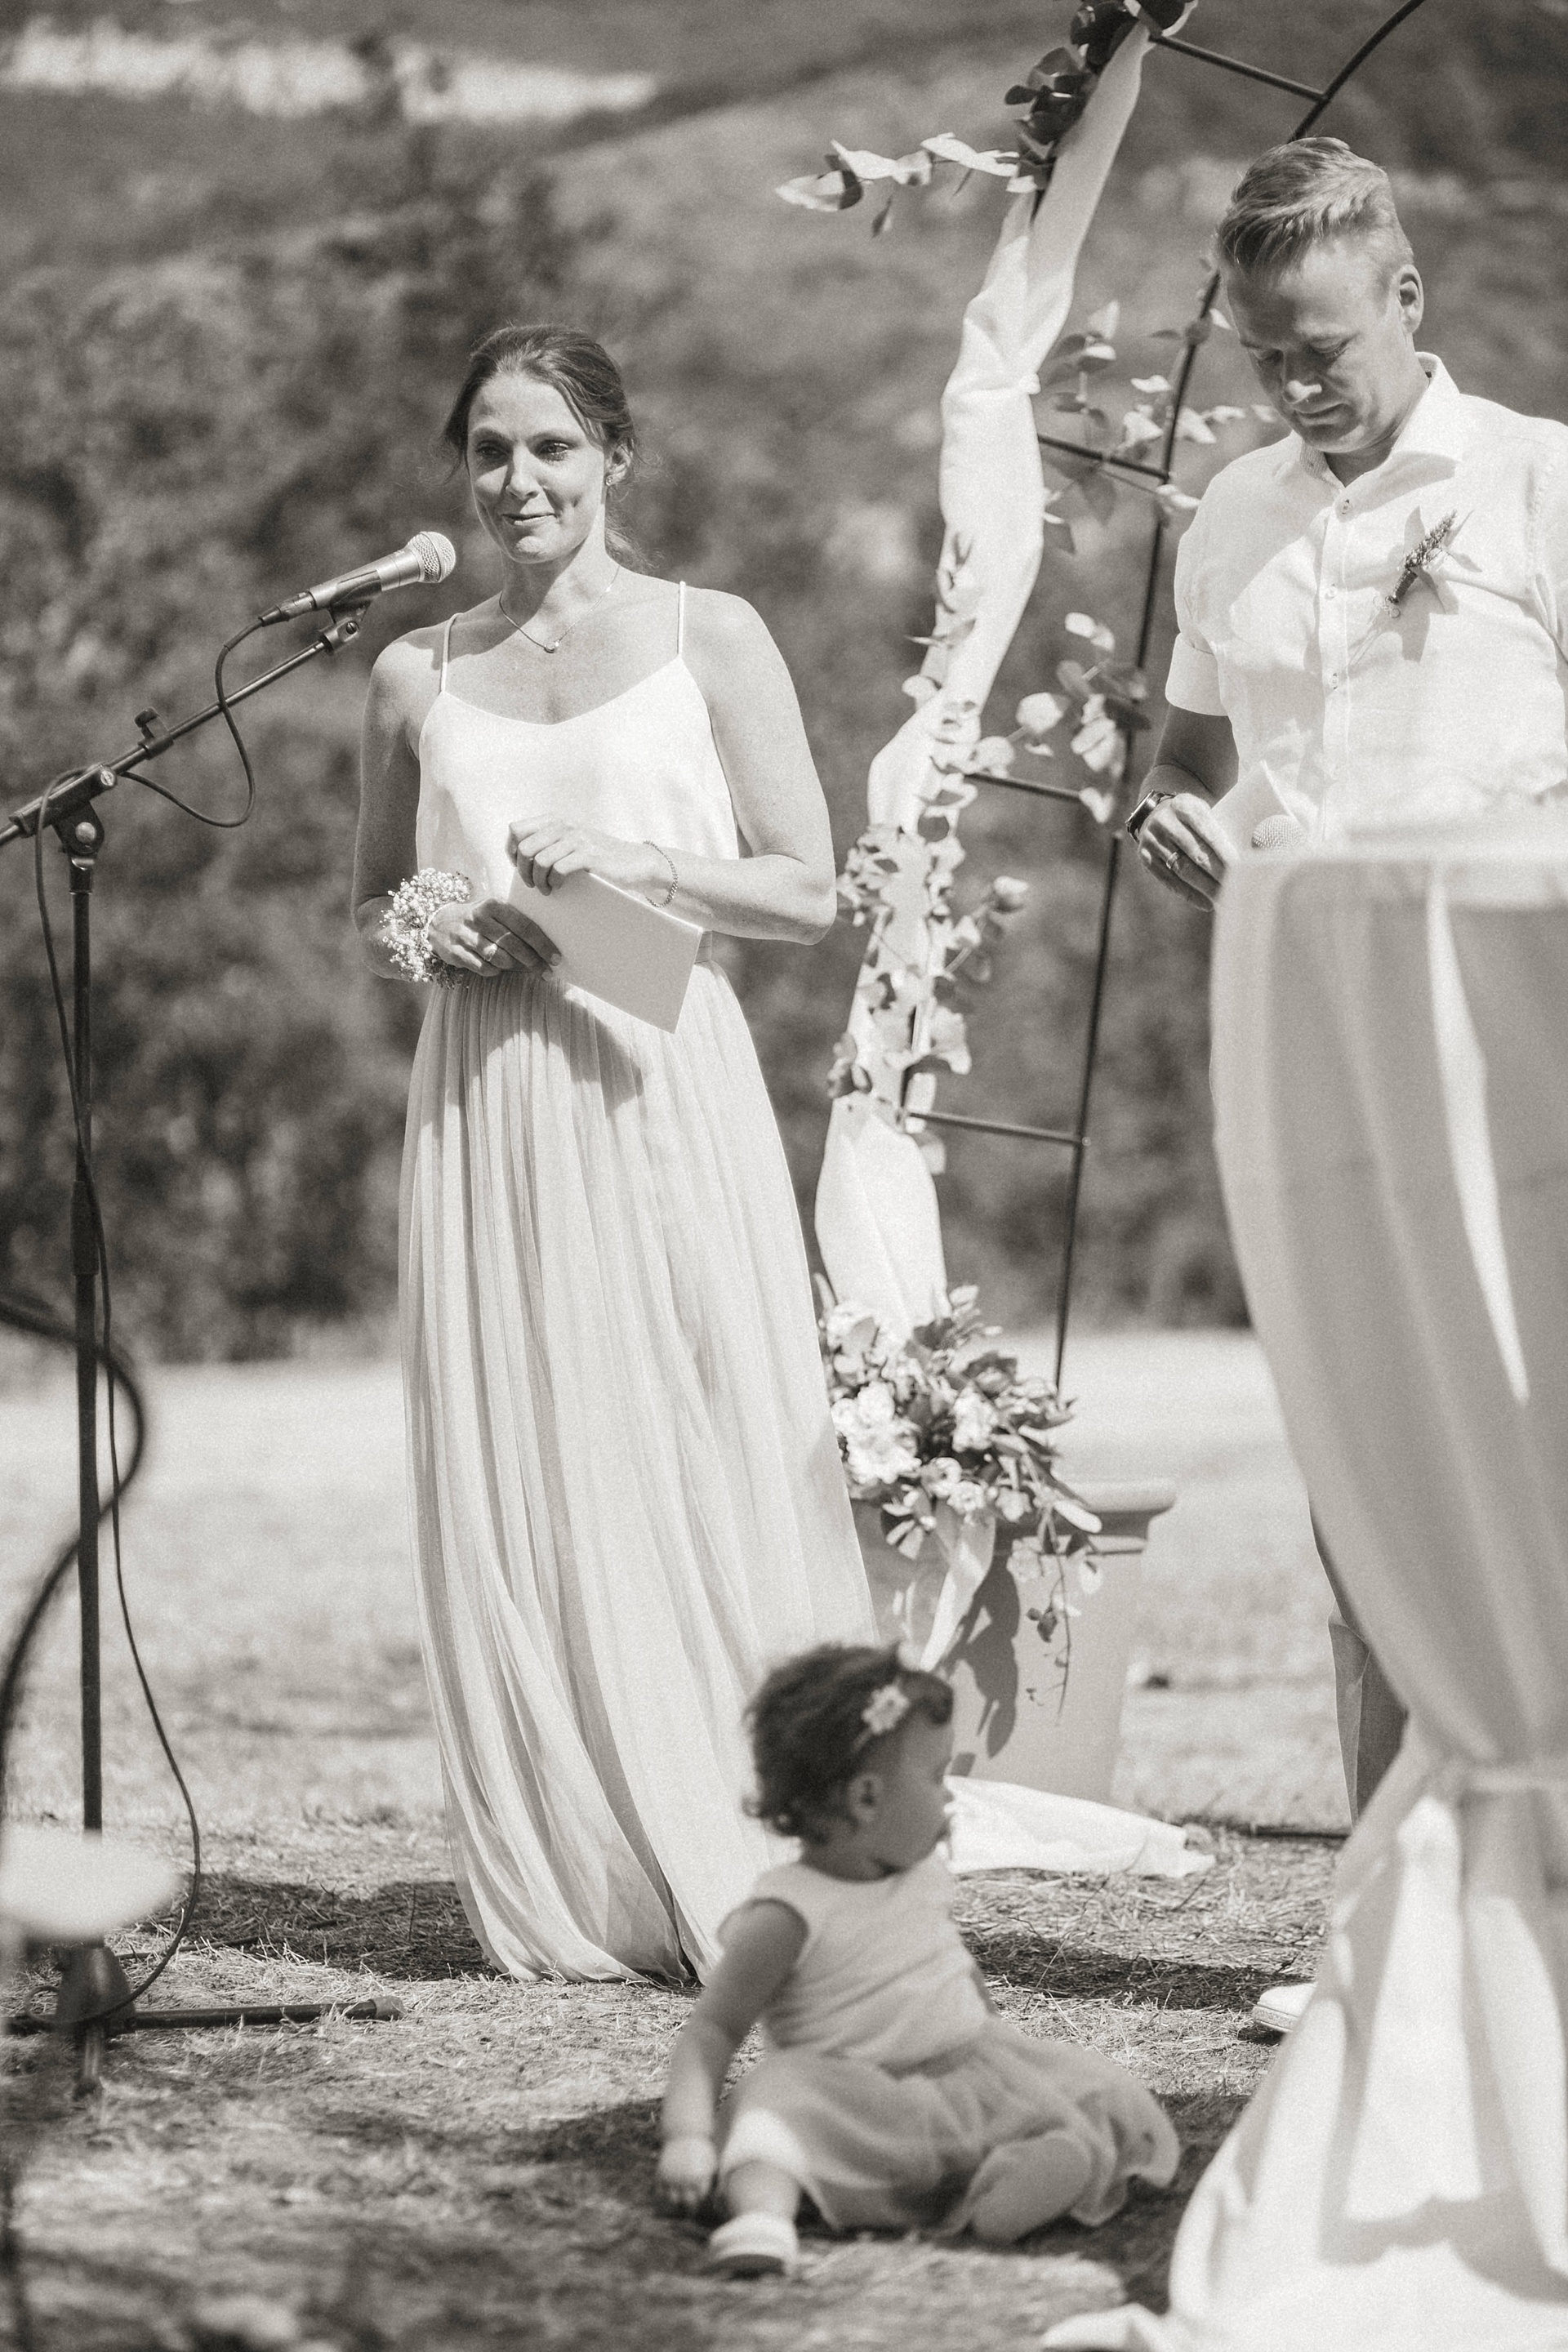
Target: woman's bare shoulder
x=728 y=643
x=406 y=673
x=718 y=618
x=410 y=657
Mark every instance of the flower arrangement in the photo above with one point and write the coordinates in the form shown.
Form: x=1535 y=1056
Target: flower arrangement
x=944 y=1421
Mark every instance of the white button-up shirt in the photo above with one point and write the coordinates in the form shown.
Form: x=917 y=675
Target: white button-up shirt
x=1352 y=710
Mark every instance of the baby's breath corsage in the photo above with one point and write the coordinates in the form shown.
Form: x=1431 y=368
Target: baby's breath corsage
x=884 y=1711
x=405 y=927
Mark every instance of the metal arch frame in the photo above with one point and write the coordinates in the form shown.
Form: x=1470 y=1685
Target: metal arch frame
x=1076 y=1140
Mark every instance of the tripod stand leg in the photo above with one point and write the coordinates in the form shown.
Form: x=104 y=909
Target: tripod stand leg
x=93 y=2001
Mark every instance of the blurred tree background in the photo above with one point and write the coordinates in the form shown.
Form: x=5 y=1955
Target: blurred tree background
x=227 y=343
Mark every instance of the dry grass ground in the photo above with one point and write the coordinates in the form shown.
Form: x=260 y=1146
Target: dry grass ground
x=478 y=2173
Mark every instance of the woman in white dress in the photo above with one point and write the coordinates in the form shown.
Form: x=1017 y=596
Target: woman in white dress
x=628 y=1502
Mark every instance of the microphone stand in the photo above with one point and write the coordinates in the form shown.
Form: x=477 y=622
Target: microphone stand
x=94 y=1999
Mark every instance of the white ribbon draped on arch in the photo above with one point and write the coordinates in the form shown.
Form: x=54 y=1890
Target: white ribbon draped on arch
x=877 y=1221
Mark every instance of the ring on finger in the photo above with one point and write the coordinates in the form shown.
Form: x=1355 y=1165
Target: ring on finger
x=491 y=949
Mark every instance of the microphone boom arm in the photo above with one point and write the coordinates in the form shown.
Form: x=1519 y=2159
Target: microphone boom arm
x=81 y=786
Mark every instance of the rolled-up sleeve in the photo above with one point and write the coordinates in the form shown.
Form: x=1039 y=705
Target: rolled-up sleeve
x=1194 y=680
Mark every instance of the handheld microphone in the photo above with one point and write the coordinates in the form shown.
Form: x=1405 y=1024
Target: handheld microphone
x=1280 y=832
x=427 y=557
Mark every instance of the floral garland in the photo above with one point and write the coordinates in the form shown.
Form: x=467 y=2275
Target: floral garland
x=945 y=1418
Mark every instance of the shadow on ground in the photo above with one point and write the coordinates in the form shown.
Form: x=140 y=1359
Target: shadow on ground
x=560 y=2246
x=1118 y=1976
x=411 y=1929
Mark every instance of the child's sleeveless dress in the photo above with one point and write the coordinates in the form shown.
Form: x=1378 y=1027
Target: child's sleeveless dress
x=628 y=1503
x=887 y=2081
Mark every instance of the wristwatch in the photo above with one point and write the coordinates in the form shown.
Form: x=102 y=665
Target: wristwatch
x=1144 y=809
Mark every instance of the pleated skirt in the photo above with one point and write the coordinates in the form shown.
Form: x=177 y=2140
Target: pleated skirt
x=627 y=1497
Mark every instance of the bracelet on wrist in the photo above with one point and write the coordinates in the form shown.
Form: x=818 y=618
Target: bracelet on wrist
x=405 y=927
x=674 y=883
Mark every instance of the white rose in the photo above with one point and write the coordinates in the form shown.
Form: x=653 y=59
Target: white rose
x=879 y=1447
x=973 y=1422
x=875 y=1405
x=883 y=1457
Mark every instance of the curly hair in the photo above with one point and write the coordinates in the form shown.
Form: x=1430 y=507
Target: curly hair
x=809 y=1730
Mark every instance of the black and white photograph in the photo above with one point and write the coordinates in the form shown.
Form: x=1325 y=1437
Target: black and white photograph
x=784 y=1176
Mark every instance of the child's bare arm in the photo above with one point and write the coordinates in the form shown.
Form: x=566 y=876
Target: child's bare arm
x=763 y=1945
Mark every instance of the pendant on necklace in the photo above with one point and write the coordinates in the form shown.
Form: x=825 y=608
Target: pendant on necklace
x=553 y=645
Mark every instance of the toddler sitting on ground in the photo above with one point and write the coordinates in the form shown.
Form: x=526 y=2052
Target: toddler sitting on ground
x=890 y=2092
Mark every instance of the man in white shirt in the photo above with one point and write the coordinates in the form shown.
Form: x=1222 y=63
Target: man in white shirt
x=1374 y=612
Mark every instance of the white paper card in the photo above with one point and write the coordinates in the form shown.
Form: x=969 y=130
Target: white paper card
x=613 y=944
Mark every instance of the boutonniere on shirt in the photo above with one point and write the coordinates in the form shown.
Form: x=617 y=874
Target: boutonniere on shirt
x=1417 y=565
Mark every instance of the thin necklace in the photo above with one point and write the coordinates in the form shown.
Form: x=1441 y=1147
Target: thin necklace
x=553 y=645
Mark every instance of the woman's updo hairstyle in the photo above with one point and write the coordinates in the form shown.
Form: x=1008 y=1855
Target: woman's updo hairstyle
x=578 y=368
x=809 y=1735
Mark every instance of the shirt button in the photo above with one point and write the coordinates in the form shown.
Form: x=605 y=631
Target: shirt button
x=1328 y=592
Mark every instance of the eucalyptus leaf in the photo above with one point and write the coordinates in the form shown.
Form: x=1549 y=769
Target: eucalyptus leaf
x=824 y=192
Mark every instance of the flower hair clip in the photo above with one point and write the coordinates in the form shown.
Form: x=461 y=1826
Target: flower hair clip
x=883 y=1712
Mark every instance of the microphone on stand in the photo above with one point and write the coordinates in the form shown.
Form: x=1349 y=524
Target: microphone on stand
x=427 y=557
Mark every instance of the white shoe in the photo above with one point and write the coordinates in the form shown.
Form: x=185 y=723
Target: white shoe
x=1281 y=2008
x=754 y=2246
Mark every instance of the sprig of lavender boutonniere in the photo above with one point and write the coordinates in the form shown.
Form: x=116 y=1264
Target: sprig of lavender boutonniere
x=1417 y=565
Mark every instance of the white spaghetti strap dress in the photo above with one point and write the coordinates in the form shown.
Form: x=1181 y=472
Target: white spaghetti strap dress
x=627 y=1497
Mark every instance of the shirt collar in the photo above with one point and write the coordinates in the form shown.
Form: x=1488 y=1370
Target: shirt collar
x=1438 y=426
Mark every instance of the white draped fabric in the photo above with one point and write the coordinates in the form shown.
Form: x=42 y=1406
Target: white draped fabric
x=876 y=1215
x=1391 y=1075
